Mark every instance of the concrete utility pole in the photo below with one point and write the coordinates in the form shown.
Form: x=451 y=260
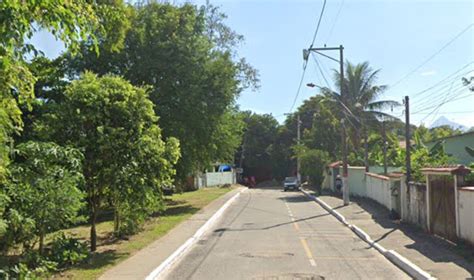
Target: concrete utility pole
x=407 y=139
x=384 y=139
x=298 y=137
x=345 y=185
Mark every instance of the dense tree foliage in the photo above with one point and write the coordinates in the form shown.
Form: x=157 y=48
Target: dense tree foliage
x=69 y=21
x=187 y=55
x=114 y=125
x=255 y=154
x=313 y=165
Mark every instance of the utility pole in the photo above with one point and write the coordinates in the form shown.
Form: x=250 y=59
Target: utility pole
x=384 y=138
x=366 y=147
x=407 y=139
x=345 y=185
x=298 y=137
x=345 y=188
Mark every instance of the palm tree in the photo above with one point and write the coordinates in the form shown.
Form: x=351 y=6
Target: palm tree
x=359 y=101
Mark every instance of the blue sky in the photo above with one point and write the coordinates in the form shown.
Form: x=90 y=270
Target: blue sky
x=394 y=36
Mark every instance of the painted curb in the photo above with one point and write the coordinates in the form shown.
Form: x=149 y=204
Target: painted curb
x=406 y=265
x=182 y=250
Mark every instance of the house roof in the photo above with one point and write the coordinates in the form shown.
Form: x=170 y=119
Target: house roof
x=335 y=164
x=449 y=169
x=452 y=136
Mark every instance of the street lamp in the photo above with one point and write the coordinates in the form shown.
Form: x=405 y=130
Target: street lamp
x=345 y=189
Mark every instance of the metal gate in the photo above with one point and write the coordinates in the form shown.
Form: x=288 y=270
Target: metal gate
x=442 y=207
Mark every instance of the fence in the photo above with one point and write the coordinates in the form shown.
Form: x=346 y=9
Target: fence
x=442 y=206
x=413 y=203
x=378 y=189
x=466 y=211
x=210 y=179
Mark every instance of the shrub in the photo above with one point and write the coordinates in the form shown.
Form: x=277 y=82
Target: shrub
x=313 y=163
x=67 y=251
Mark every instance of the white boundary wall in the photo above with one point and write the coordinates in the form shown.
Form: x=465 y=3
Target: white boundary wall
x=466 y=214
x=378 y=189
x=211 y=179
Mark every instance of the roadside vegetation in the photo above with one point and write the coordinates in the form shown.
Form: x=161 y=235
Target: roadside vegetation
x=270 y=149
x=111 y=250
x=89 y=140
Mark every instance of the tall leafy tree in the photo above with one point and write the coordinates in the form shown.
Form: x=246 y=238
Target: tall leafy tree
x=69 y=21
x=260 y=133
x=125 y=158
x=187 y=54
x=44 y=192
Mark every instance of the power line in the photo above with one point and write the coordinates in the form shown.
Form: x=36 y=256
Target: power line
x=306 y=62
x=446 y=113
x=299 y=86
x=435 y=96
x=321 y=71
x=319 y=23
x=439 y=106
x=445 y=102
x=446 y=79
x=334 y=22
x=442 y=89
x=433 y=55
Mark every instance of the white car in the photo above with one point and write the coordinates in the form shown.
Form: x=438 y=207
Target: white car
x=290 y=183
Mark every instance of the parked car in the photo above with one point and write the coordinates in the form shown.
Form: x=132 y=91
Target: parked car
x=168 y=189
x=290 y=183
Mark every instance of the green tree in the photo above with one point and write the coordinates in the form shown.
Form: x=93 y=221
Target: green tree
x=194 y=71
x=360 y=104
x=313 y=164
x=44 y=191
x=260 y=132
x=125 y=158
x=69 y=21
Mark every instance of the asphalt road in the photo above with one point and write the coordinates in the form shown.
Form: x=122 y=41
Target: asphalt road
x=271 y=234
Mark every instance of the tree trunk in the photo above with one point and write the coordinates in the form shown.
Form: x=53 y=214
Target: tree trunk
x=41 y=242
x=93 y=218
x=116 y=220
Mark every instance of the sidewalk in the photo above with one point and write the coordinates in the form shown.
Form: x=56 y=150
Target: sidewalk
x=146 y=260
x=440 y=258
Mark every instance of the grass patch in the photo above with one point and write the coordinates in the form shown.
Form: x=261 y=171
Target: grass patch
x=110 y=251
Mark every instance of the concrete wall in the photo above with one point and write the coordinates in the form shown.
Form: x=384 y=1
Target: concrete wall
x=466 y=213
x=210 y=179
x=219 y=178
x=357 y=184
x=413 y=204
x=378 y=189
x=379 y=169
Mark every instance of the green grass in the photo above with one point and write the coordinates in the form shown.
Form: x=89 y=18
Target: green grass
x=111 y=251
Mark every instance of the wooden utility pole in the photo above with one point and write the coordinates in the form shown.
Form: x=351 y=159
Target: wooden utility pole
x=366 y=147
x=298 y=137
x=345 y=185
x=345 y=181
x=384 y=138
x=407 y=139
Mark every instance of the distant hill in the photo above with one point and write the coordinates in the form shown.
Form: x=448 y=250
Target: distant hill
x=442 y=121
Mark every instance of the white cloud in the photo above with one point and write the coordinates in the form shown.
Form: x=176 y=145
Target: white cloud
x=428 y=73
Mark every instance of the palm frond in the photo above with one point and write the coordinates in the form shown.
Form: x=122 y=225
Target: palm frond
x=382 y=104
x=383 y=116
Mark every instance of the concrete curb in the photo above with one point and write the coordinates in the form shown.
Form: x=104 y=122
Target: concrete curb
x=181 y=251
x=403 y=263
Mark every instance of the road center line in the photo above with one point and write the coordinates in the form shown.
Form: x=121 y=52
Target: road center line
x=308 y=251
x=302 y=240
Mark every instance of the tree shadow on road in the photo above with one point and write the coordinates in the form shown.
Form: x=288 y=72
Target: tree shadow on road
x=271 y=226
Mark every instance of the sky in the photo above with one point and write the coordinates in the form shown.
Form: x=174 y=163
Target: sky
x=415 y=44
